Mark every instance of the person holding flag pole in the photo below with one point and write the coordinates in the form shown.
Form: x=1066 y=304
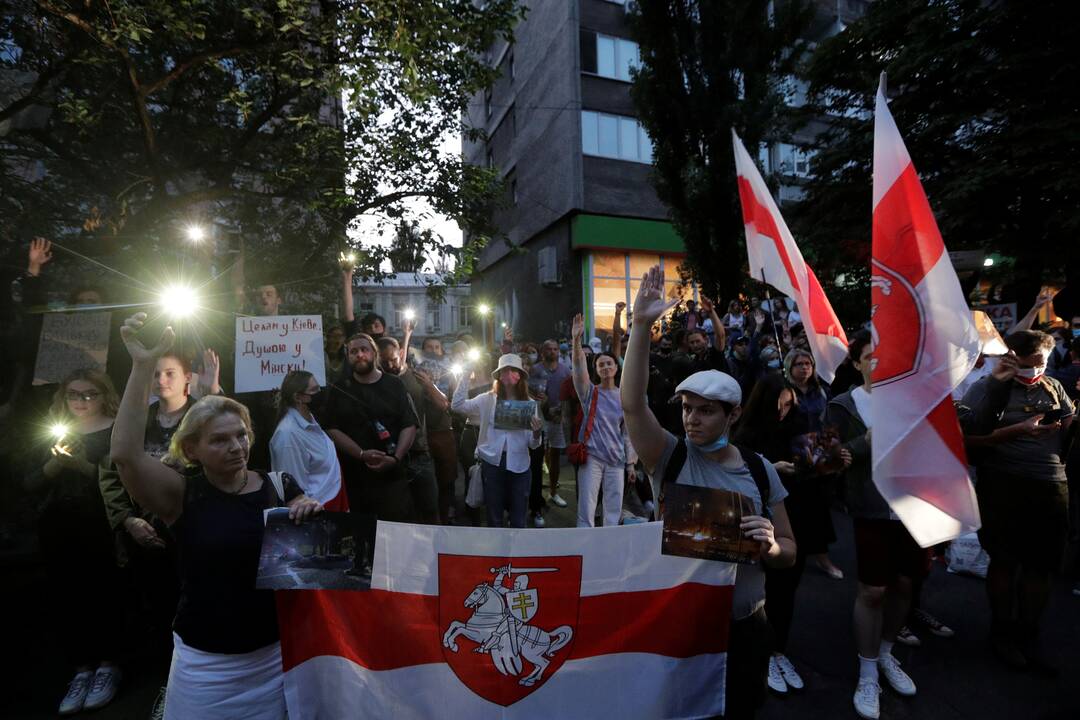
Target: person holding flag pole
x=923 y=345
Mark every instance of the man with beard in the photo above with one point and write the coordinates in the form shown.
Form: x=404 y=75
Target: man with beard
x=372 y=423
x=552 y=374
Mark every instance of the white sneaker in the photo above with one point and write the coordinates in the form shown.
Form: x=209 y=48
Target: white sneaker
x=538 y=520
x=787 y=670
x=77 y=691
x=558 y=501
x=867 y=699
x=104 y=687
x=897 y=678
x=776 y=679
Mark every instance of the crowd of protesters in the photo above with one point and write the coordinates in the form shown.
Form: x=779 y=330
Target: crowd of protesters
x=161 y=488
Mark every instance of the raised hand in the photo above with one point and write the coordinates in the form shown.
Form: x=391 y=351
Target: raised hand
x=578 y=328
x=40 y=254
x=211 y=366
x=139 y=352
x=650 y=303
x=707 y=306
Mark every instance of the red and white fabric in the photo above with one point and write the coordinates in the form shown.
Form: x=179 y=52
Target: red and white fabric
x=631 y=633
x=775 y=257
x=925 y=343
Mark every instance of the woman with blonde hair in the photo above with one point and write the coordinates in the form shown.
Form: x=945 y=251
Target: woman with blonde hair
x=503 y=453
x=226 y=654
x=75 y=538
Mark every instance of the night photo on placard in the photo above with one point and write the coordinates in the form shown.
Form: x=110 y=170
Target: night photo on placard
x=540 y=359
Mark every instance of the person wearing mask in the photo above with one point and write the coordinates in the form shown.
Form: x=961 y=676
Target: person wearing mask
x=551 y=374
x=603 y=435
x=740 y=364
x=301 y=448
x=886 y=556
x=373 y=425
x=503 y=454
x=704 y=457
x=808 y=503
x=371 y=324
x=435 y=366
x=226 y=653
x=1021 y=420
x=76 y=541
x=423 y=396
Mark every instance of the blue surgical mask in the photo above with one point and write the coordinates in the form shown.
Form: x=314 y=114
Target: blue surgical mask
x=774 y=363
x=1076 y=332
x=718 y=444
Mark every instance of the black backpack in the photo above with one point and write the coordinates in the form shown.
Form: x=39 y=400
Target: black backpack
x=753 y=461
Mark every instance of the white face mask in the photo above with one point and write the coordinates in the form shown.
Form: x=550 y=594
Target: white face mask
x=1029 y=376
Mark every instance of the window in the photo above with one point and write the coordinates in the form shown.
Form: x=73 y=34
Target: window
x=366 y=307
x=490 y=158
x=464 y=315
x=608 y=56
x=513 y=191
x=614 y=136
x=434 y=317
x=399 y=316
x=487 y=104
x=510 y=65
x=792 y=160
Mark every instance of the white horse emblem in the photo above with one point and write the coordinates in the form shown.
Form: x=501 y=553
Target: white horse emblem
x=499 y=625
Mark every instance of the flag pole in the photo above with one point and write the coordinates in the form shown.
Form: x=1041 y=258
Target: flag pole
x=768 y=298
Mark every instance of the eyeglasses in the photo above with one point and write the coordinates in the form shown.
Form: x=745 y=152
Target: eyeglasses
x=87 y=396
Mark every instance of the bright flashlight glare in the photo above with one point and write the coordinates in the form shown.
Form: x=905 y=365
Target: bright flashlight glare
x=473 y=355
x=179 y=300
x=195 y=233
x=410 y=314
x=504 y=324
x=58 y=431
x=483 y=309
x=456 y=368
x=988 y=262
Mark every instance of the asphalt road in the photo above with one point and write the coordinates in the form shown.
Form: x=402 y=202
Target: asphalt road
x=958 y=678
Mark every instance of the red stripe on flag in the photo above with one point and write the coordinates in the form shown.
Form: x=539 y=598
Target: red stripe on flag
x=822 y=317
x=944 y=421
x=906 y=236
x=383 y=630
x=756 y=214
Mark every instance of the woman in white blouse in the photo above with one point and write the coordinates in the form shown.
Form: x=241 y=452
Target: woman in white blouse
x=503 y=453
x=302 y=448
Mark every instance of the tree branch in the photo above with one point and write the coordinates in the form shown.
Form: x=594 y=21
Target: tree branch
x=191 y=63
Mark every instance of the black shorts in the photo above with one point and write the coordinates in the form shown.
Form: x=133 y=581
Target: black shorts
x=884 y=550
x=1024 y=522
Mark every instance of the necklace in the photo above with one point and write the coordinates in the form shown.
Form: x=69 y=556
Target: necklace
x=243 y=485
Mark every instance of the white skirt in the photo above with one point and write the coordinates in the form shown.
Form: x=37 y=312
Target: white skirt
x=213 y=686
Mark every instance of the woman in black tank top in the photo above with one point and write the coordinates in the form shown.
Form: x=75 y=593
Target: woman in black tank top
x=214 y=504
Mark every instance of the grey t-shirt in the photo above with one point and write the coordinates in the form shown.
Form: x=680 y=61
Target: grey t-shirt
x=1037 y=458
x=702 y=472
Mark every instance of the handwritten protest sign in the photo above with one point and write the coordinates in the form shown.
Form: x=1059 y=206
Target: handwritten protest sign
x=71 y=341
x=268 y=348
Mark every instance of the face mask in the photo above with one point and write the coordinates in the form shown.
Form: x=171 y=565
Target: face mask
x=1029 y=376
x=532 y=357
x=718 y=444
x=774 y=363
x=1076 y=332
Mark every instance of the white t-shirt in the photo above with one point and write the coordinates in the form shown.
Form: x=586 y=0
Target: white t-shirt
x=862 y=404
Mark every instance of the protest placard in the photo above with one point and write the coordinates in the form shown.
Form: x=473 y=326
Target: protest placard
x=704 y=523
x=268 y=348
x=1003 y=315
x=71 y=341
x=514 y=414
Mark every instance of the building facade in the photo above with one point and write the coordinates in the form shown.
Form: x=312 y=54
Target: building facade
x=582 y=221
x=445 y=318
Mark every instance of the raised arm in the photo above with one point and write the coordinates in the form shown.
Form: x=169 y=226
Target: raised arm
x=719 y=334
x=403 y=349
x=432 y=394
x=151 y=484
x=617 y=331
x=347 y=313
x=1028 y=320
x=646 y=434
x=461 y=402
x=582 y=383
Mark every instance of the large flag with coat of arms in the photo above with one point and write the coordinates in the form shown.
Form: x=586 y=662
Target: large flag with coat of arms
x=485 y=623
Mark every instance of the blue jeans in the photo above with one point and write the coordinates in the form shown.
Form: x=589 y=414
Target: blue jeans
x=505 y=491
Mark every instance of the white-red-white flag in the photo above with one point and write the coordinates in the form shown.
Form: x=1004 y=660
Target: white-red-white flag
x=775 y=259
x=924 y=344
x=476 y=623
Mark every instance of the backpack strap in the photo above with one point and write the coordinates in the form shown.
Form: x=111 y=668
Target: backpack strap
x=674 y=466
x=593 y=402
x=761 y=476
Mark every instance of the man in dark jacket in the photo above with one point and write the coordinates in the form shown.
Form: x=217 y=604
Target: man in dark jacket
x=887 y=557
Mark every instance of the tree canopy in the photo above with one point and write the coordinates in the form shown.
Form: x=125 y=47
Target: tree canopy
x=708 y=67
x=986 y=97
x=282 y=122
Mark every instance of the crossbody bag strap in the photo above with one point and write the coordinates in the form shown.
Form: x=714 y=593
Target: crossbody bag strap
x=593 y=402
